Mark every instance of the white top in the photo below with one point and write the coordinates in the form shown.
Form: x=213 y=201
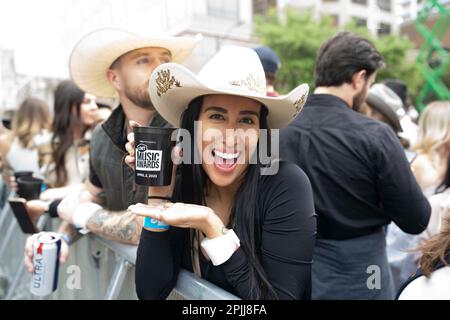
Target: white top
x=440 y=210
x=403 y=262
x=77 y=166
x=410 y=129
x=26 y=159
x=437 y=287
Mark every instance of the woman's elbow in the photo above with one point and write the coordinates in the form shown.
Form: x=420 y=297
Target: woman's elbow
x=153 y=290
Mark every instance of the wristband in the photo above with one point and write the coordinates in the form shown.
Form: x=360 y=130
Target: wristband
x=83 y=213
x=220 y=249
x=53 y=208
x=150 y=223
x=67 y=239
x=155 y=224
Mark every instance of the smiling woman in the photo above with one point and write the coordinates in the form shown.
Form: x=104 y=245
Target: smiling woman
x=225 y=159
x=75 y=115
x=249 y=233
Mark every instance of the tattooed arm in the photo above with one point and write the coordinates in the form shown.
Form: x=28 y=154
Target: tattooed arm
x=121 y=226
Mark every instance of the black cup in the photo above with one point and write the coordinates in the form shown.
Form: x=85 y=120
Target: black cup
x=20 y=174
x=153 y=149
x=29 y=187
x=7 y=123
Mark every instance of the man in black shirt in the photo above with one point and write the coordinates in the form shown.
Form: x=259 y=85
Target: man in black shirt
x=359 y=174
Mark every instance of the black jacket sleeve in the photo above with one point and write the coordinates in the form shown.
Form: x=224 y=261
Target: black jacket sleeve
x=288 y=236
x=158 y=263
x=400 y=195
x=285 y=203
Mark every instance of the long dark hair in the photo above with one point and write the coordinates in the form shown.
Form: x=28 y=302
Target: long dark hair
x=446 y=181
x=68 y=97
x=244 y=219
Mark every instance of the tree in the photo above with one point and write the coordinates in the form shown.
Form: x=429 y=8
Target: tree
x=297 y=37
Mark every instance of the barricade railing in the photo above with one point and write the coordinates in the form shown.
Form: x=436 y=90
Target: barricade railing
x=188 y=287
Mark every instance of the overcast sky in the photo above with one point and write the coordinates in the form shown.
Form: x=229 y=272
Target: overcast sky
x=42 y=37
x=35 y=29
x=28 y=27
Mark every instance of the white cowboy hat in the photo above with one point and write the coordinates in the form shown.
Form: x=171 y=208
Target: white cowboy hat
x=233 y=71
x=94 y=54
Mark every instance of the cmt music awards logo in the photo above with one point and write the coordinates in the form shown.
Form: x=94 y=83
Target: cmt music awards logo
x=148 y=160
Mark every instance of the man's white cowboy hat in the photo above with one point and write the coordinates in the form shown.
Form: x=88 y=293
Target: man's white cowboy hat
x=233 y=71
x=94 y=54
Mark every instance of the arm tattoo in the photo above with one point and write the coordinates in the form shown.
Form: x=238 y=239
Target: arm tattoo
x=122 y=226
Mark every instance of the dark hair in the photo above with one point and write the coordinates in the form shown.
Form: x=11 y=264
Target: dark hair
x=243 y=219
x=342 y=56
x=446 y=181
x=67 y=98
x=270 y=79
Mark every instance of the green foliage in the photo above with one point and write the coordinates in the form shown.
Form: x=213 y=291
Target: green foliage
x=395 y=49
x=446 y=76
x=296 y=39
x=298 y=36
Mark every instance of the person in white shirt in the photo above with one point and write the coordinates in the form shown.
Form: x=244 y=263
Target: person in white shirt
x=432 y=280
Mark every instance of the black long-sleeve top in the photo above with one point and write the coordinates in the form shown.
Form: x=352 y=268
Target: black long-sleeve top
x=358 y=170
x=286 y=209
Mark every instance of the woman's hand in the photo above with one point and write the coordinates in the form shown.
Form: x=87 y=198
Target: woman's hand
x=182 y=215
x=28 y=252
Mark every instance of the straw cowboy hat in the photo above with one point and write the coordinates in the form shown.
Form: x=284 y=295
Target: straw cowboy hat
x=94 y=54
x=233 y=71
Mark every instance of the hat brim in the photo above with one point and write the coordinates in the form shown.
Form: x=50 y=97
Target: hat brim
x=94 y=54
x=172 y=95
x=380 y=106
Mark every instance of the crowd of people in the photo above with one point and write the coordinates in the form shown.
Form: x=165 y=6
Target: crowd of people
x=357 y=208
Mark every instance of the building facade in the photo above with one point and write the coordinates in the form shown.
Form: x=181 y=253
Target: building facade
x=220 y=22
x=377 y=15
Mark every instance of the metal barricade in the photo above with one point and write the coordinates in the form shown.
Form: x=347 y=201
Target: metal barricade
x=188 y=287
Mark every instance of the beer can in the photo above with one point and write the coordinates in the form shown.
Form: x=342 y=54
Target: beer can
x=46 y=251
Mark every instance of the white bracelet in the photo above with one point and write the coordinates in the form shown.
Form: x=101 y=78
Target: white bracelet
x=83 y=213
x=220 y=249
